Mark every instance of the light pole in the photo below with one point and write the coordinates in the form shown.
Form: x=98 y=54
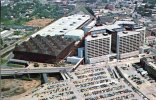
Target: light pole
x=1 y=43
x=144 y=33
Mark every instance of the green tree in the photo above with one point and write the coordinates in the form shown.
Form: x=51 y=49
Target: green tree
x=1 y=41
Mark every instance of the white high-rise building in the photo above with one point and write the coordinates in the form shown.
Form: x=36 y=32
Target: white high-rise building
x=97 y=47
x=128 y=43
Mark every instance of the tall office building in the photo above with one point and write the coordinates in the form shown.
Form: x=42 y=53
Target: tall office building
x=128 y=43
x=97 y=47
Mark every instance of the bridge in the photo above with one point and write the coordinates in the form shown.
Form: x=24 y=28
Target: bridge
x=33 y=70
x=30 y=70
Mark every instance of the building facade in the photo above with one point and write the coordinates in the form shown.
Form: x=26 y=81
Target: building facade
x=128 y=43
x=149 y=65
x=97 y=47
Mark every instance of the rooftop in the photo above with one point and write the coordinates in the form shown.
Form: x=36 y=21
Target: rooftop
x=3 y=32
x=92 y=24
x=152 y=61
x=125 y=33
x=6 y=33
x=77 y=32
x=124 y=22
x=153 y=65
x=109 y=27
x=63 y=25
x=98 y=36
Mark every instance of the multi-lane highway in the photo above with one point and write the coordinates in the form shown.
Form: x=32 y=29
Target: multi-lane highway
x=12 y=46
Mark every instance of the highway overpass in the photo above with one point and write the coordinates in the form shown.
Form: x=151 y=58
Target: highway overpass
x=33 y=70
x=9 y=71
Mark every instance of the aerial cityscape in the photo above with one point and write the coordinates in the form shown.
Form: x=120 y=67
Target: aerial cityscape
x=78 y=50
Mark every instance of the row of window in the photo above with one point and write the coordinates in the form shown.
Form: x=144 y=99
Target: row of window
x=91 y=55
x=127 y=50
x=98 y=46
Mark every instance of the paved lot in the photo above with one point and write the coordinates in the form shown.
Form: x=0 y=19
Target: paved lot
x=90 y=82
x=147 y=88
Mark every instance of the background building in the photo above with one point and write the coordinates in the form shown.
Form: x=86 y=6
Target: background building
x=6 y=33
x=43 y=49
x=149 y=64
x=97 y=47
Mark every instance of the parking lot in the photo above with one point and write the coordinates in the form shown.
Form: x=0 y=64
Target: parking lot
x=143 y=82
x=88 y=83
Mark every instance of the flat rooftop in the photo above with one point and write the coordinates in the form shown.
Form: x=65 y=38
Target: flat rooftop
x=126 y=33
x=98 y=36
x=153 y=65
x=104 y=27
x=125 y=22
x=63 y=25
x=115 y=25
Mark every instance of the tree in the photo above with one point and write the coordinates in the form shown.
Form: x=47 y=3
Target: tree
x=5 y=45
x=1 y=41
x=17 y=33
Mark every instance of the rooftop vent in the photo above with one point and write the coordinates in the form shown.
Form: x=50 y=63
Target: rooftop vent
x=94 y=35
x=125 y=32
x=105 y=34
x=64 y=29
x=61 y=31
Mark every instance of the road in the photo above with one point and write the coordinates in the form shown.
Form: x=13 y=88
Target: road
x=33 y=70
x=8 y=71
x=9 y=48
x=12 y=46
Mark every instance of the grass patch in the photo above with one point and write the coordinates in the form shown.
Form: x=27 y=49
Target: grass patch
x=5 y=54
x=17 y=33
x=13 y=22
x=3 y=61
x=5 y=89
x=26 y=78
x=15 y=65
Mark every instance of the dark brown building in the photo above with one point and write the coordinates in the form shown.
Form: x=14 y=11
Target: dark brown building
x=43 y=49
